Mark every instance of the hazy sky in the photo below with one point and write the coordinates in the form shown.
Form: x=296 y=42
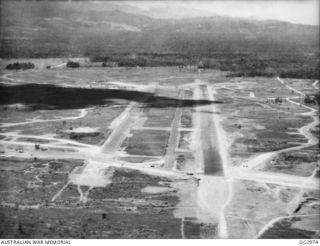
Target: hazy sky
x=296 y=11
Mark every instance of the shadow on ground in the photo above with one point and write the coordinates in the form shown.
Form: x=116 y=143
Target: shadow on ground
x=40 y=96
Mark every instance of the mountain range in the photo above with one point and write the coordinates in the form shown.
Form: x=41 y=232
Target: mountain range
x=51 y=29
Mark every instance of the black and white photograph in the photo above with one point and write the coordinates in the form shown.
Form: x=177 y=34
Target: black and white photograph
x=159 y=120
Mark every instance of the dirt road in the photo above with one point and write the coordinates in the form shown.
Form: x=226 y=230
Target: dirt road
x=174 y=136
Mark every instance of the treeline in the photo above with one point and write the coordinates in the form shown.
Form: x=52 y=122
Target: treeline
x=20 y=65
x=269 y=64
x=141 y=60
x=286 y=65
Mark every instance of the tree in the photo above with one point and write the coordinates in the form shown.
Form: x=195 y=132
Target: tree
x=72 y=64
x=20 y=65
x=308 y=99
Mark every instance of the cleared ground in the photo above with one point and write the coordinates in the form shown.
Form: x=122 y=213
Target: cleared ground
x=156 y=153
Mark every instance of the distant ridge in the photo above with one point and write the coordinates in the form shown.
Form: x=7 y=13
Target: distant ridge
x=53 y=29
